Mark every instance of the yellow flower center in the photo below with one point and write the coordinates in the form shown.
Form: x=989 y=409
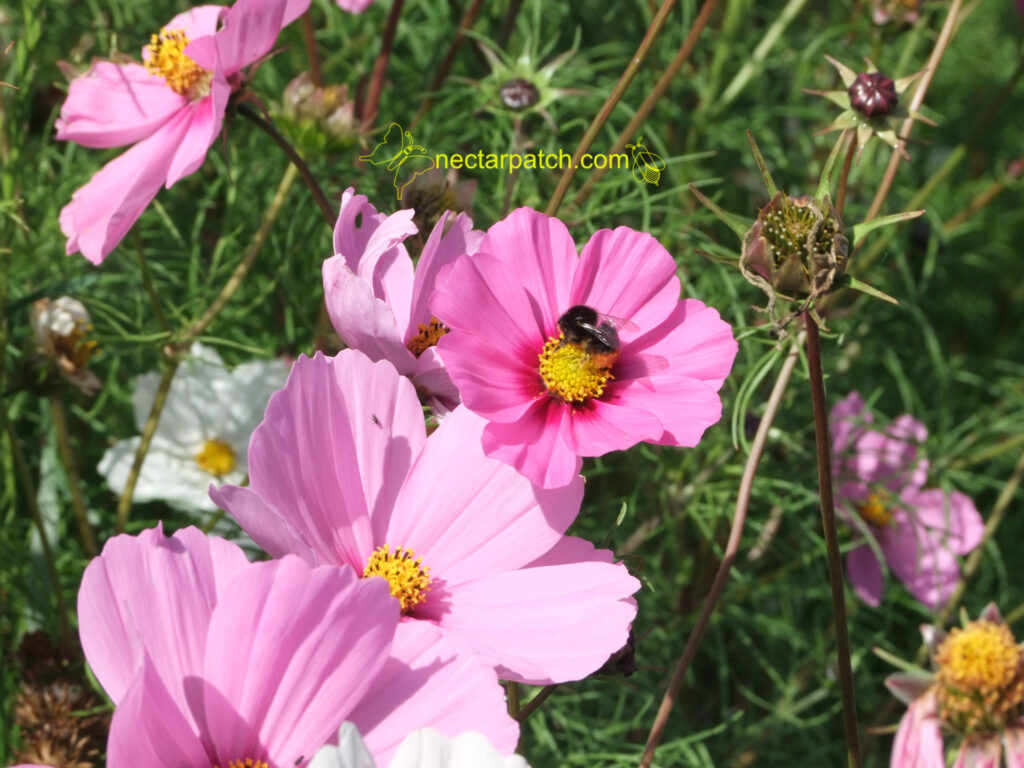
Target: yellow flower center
x=75 y=348
x=875 y=511
x=407 y=577
x=428 y=336
x=216 y=457
x=247 y=763
x=980 y=681
x=570 y=372
x=167 y=59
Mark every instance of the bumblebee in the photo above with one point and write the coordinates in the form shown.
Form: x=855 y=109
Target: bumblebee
x=594 y=332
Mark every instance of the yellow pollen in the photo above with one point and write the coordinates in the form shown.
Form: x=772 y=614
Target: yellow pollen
x=980 y=679
x=167 y=59
x=875 y=510
x=570 y=373
x=408 y=578
x=247 y=763
x=75 y=347
x=427 y=336
x=216 y=457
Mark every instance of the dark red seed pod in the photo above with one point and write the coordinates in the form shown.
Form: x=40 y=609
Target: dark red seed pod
x=873 y=94
x=519 y=94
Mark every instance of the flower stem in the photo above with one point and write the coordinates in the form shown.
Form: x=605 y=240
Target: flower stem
x=307 y=176
x=446 y=66
x=512 y=689
x=613 y=98
x=380 y=66
x=147 y=281
x=844 y=175
x=31 y=501
x=124 y=504
x=728 y=557
x=652 y=98
x=270 y=216
x=534 y=704
x=60 y=425
x=509 y=22
x=915 y=104
x=828 y=521
x=314 y=57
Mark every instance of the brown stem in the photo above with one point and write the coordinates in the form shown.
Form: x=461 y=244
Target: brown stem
x=652 y=98
x=915 y=104
x=828 y=521
x=314 y=56
x=731 y=548
x=509 y=22
x=307 y=176
x=606 y=109
x=534 y=704
x=60 y=426
x=446 y=66
x=380 y=66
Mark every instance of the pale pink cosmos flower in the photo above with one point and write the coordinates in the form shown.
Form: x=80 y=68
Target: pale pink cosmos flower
x=378 y=302
x=341 y=471
x=548 y=401
x=354 y=6
x=880 y=477
x=425 y=748
x=971 y=701
x=236 y=660
x=170 y=107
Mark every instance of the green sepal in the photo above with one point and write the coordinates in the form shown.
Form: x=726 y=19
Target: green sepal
x=849 y=281
x=766 y=175
x=859 y=230
x=737 y=224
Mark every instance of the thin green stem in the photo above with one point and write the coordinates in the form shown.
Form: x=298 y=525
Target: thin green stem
x=729 y=556
x=657 y=24
x=78 y=507
x=828 y=522
x=380 y=66
x=124 y=504
x=844 y=175
x=147 y=281
x=270 y=216
x=307 y=176
x=31 y=501
x=652 y=98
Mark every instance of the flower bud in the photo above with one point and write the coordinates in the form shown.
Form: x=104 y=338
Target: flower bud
x=61 y=333
x=796 y=247
x=518 y=94
x=873 y=94
x=318 y=117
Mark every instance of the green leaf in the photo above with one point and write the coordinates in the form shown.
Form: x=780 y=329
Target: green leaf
x=848 y=281
x=736 y=223
x=859 y=230
x=769 y=182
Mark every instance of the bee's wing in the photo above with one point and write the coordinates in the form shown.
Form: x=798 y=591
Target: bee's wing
x=619 y=323
x=389 y=149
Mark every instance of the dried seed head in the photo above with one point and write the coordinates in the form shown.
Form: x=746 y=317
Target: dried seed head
x=873 y=94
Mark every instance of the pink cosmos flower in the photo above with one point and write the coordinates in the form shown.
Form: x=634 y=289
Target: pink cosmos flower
x=376 y=302
x=170 y=107
x=973 y=699
x=341 y=471
x=879 y=487
x=552 y=394
x=212 y=659
x=354 y=6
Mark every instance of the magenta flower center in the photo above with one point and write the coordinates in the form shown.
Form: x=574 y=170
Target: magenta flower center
x=980 y=678
x=406 y=575
x=875 y=511
x=168 y=60
x=427 y=336
x=573 y=372
x=873 y=94
x=216 y=457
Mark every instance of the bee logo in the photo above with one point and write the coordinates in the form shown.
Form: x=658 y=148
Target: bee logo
x=647 y=166
x=398 y=151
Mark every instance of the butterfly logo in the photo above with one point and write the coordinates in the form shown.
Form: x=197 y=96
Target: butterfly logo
x=647 y=166
x=401 y=155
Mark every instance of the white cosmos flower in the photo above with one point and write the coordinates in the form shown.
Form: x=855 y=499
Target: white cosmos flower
x=425 y=748
x=203 y=434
